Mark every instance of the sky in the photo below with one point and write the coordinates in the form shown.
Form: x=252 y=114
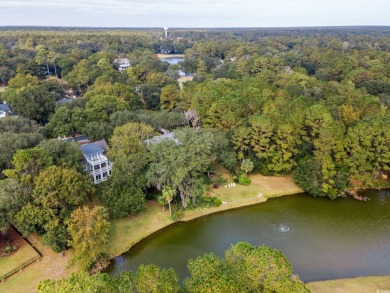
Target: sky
x=194 y=13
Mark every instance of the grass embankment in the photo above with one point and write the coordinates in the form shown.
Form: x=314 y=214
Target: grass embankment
x=354 y=285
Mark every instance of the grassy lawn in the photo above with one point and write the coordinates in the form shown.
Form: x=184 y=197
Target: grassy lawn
x=14 y=261
x=238 y=192
x=128 y=231
x=267 y=186
x=355 y=285
x=2 y=88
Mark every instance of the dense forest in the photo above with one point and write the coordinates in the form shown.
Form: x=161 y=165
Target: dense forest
x=312 y=103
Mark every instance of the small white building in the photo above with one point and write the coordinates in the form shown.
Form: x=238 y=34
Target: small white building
x=123 y=64
x=96 y=163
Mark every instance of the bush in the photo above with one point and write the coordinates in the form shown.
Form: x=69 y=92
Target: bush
x=209 y=201
x=217 y=202
x=219 y=180
x=243 y=180
x=206 y=199
x=177 y=215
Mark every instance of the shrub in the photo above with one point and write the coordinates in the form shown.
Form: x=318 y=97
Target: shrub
x=219 y=180
x=243 y=180
x=177 y=215
x=217 y=202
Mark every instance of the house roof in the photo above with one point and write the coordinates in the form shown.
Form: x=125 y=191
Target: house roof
x=5 y=108
x=91 y=148
x=123 y=61
x=102 y=143
x=160 y=138
x=64 y=101
x=79 y=138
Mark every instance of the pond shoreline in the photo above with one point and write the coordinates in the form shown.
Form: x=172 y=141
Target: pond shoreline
x=191 y=215
x=277 y=187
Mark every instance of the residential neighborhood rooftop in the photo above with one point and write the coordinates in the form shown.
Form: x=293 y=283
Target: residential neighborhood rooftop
x=91 y=148
x=5 y=108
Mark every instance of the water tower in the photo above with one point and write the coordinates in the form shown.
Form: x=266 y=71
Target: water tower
x=166 y=32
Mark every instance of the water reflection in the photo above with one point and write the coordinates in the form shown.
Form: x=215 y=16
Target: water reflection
x=282 y=228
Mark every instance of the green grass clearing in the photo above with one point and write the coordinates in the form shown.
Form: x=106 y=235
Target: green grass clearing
x=128 y=231
x=236 y=193
x=355 y=285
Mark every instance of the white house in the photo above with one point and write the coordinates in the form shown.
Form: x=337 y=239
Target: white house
x=123 y=64
x=5 y=110
x=96 y=163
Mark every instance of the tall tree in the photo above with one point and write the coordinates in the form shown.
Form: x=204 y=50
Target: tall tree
x=13 y=196
x=122 y=193
x=130 y=139
x=89 y=230
x=168 y=193
x=181 y=161
x=27 y=165
x=66 y=121
x=100 y=107
x=152 y=279
x=57 y=191
x=170 y=97
x=32 y=102
x=245 y=268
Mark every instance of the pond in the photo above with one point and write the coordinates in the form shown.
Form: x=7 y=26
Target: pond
x=323 y=239
x=172 y=60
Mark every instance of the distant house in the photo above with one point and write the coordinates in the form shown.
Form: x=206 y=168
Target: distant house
x=63 y=101
x=5 y=110
x=96 y=163
x=123 y=64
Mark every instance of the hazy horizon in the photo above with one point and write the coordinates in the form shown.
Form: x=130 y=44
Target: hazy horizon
x=190 y=14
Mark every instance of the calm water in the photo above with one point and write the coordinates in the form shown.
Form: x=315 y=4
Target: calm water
x=172 y=60
x=323 y=239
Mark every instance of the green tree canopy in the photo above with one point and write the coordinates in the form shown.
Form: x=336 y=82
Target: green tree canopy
x=89 y=230
x=245 y=268
x=122 y=193
x=129 y=139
